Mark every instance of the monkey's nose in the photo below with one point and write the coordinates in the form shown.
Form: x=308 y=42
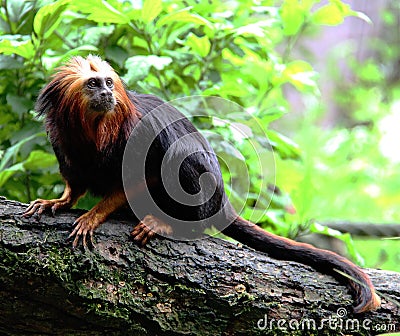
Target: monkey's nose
x=106 y=93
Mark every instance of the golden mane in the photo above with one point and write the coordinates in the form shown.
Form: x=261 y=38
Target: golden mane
x=69 y=100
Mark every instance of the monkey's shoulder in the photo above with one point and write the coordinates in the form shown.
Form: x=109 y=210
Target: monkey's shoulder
x=163 y=122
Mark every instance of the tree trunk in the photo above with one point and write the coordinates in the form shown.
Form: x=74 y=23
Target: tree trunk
x=204 y=287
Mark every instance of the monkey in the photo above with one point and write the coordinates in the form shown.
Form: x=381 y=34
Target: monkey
x=91 y=119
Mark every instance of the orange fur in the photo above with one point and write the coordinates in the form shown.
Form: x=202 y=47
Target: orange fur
x=69 y=81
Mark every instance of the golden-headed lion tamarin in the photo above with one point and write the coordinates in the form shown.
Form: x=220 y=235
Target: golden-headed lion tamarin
x=90 y=118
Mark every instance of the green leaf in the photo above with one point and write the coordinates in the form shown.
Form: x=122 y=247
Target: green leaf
x=150 y=10
x=139 y=66
x=18 y=10
x=272 y=114
x=100 y=11
x=184 y=15
x=227 y=89
x=301 y=75
x=231 y=155
x=9 y=172
x=48 y=18
x=255 y=29
x=19 y=104
x=286 y=148
x=21 y=48
x=94 y=35
x=330 y=15
x=39 y=159
x=334 y=14
x=13 y=150
x=7 y=62
x=50 y=62
x=371 y=72
x=200 y=45
x=292 y=17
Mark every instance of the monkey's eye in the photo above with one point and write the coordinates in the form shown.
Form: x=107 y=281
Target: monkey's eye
x=109 y=82
x=92 y=83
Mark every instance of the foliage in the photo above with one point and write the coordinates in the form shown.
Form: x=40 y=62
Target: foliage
x=172 y=49
x=352 y=174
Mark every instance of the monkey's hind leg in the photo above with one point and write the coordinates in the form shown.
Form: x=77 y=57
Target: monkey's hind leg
x=148 y=227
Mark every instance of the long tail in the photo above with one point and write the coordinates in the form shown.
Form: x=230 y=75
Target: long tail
x=321 y=260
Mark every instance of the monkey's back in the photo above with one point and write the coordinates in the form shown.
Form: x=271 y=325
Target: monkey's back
x=185 y=183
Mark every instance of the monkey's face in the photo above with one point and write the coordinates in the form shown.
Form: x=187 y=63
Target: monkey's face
x=99 y=92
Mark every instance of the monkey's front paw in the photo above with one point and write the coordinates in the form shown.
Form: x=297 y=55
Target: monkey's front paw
x=37 y=207
x=148 y=228
x=85 y=224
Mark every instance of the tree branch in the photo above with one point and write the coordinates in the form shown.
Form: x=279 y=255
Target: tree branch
x=204 y=287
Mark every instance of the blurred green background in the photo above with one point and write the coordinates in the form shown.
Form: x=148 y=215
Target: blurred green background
x=320 y=78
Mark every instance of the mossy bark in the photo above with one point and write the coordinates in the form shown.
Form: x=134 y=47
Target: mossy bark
x=204 y=287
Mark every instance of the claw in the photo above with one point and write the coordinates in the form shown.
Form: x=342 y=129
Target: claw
x=75 y=242
x=53 y=210
x=37 y=207
x=71 y=234
x=84 y=240
x=37 y=216
x=148 y=228
x=39 y=212
x=83 y=225
x=31 y=209
x=147 y=237
x=91 y=239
